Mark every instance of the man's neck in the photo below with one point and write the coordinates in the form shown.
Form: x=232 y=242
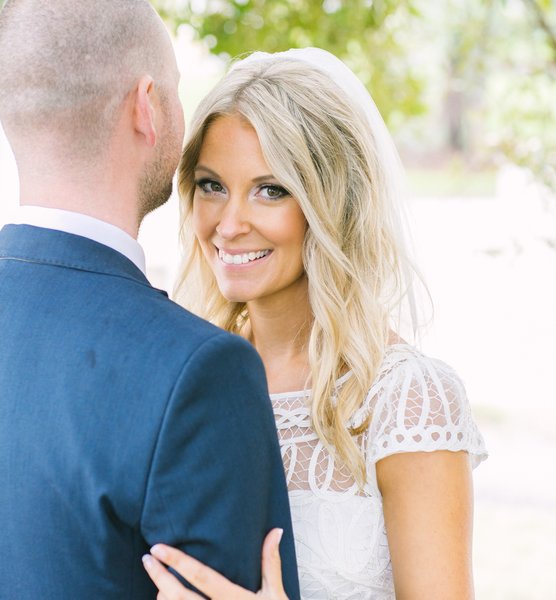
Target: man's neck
x=98 y=202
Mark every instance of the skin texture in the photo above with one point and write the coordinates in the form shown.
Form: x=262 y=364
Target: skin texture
x=427 y=499
x=427 y=496
x=149 y=132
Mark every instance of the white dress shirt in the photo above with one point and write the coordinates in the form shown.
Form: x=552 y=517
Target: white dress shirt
x=85 y=226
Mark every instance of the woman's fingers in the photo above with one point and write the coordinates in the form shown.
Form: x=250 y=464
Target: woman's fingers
x=210 y=582
x=169 y=587
x=273 y=587
x=204 y=578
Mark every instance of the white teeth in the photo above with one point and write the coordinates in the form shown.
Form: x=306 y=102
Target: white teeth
x=241 y=259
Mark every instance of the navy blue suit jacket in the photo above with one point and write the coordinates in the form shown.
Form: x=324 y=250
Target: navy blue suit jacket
x=124 y=421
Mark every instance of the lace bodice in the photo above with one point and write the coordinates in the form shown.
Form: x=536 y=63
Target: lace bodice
x=417 y=404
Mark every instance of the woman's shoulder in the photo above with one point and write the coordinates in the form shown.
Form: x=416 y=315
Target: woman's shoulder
x=404 y=363
x=406 y=371
x=418 y=403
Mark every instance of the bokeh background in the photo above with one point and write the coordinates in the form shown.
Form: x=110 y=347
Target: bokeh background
x=468 y=90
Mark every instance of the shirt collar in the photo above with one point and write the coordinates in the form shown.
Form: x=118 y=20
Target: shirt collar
x=85 y=226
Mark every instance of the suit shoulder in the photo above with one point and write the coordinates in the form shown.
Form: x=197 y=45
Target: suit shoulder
x=176 y=326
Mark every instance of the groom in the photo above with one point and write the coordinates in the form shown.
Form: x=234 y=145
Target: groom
x=124 y=420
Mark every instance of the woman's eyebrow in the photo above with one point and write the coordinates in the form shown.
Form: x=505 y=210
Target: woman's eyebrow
x=207 y=170
x=259 y=179
x=263 y=178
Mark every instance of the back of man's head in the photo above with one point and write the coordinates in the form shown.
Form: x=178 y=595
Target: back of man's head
x=66 y=67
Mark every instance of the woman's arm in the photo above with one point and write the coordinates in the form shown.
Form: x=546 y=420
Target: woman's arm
x=428 y=511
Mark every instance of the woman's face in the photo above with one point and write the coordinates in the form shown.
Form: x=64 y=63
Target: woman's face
x=250 y=229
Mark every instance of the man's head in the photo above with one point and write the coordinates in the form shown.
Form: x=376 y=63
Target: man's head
x=67 y=68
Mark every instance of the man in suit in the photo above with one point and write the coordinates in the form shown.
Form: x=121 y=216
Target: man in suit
x=124 y=420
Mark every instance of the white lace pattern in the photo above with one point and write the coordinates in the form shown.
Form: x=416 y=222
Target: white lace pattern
x=417 y=404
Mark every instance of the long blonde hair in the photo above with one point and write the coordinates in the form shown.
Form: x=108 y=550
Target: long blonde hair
x=322 y=149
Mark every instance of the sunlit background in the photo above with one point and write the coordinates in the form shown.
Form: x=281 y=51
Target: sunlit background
x=468 y=89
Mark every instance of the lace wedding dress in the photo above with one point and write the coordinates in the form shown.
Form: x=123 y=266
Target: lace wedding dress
x=417 y=404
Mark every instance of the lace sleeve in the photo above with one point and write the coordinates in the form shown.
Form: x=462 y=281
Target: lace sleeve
x=419 y=404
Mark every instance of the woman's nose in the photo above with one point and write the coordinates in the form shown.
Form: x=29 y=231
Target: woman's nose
x=234 y=220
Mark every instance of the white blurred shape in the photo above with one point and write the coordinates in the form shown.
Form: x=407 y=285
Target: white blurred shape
x=9 y=183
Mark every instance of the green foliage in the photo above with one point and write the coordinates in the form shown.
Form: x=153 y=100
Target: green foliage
x=518 y=111
x=371 y=36
x=494 y=82
x=484 y=71
x=474 y=78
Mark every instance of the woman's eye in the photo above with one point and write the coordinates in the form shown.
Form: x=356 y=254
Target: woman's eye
x=208 y=186
x=273 y=192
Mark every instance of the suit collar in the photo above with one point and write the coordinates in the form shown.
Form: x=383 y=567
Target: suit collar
x=83 y=225
x=48 y=246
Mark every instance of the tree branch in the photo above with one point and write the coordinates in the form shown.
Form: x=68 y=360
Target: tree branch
x=544 y=24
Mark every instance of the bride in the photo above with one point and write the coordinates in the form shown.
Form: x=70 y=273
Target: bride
x=293 y=239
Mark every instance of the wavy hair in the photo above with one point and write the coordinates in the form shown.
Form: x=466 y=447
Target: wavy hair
x=322 y=149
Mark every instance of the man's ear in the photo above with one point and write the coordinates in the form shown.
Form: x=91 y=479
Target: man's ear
x=144 y=113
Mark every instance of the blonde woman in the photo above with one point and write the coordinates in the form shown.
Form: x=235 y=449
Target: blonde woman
x=293 y=240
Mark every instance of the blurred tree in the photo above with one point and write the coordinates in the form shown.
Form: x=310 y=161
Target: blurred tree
x=495 y=81
x=490 y=63
x=371 y=36
x=519 y=97
x=543 y=11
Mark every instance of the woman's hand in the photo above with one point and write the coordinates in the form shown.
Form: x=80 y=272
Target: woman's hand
x=207 y=580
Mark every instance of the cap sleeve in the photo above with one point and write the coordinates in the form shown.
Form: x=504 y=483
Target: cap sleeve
x=419 y=404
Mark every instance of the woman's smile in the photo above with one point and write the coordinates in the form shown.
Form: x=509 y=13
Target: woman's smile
x=240 y=257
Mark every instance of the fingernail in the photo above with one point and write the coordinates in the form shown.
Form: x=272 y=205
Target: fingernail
x=159 y=551
x=147 y=561
x=279 y=535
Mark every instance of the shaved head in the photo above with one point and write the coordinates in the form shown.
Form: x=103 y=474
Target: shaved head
x=66 y=67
